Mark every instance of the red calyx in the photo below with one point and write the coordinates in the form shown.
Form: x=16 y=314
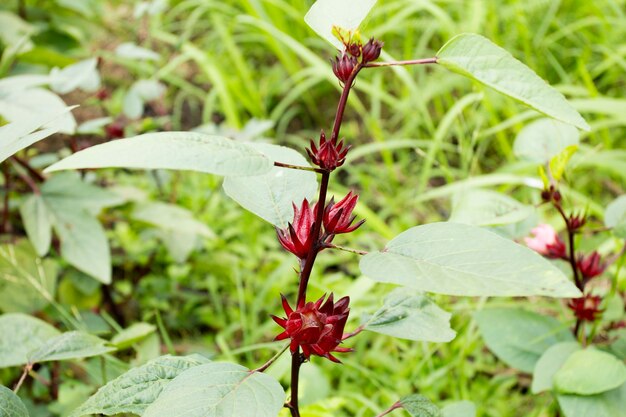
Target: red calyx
x=298 y=238
x=317 y=328
x=329 y=154
x=586 y=308
x=344 y=66
x=576 y=221
x=114 y=130
x=371 y=50
x=338 y=216
x=590 y=266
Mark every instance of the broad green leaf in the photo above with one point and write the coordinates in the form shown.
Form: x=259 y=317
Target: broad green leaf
x=409 y=315
x=10 y=404
x=172 y=150
x=219 y=389
x=519 y=337
x=607 y=404
x=618 y=347
x=83 y=75
x=478 y=58
x=27 y=282
x=346 y=14
x=70 y=345
x=36 y=219
x=588 y=372
x=543 y=139
x=419 y=406
x=458 y=259
x=487 y=208
x=549 y=363
x=14 y=30
x=559 y=162
x=18 y=105
x=22 y=334
x=270 y=196
x=135 y=390
x=132 y=334
x=615 y=216
x=459 y=409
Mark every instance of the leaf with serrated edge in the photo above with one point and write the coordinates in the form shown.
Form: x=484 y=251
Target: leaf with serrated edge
x=219 y=390
x=70 y=345
x=458 y=259
x=10 y=404
x=27 y=333
x=419 y=406
x=171 y=150
x=476 y=57
x=135 y=390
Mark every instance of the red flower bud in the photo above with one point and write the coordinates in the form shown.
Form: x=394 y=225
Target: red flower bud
x=329 y=155
x=590 y=266
x=114 y=130
x=344 y=66
x=586 y=308
x=577 y=221
x=354 y=49
x=371 y=50
x=546 y=242
x=317 y=327
x=298 y=238
x=338 y=217
x=103 y=94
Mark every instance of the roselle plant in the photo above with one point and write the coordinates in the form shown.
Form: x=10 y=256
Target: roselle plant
x=279 y=185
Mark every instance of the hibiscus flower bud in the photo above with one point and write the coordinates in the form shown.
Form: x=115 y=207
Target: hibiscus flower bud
x=371 y=50
x=114 y=130
x=329 y=154
x=298 y=238
x=315 y=327
x=343 y=67
x=590 y=266
x=354 y=49
x=586 y=308
x=576 y=221
x=546 y=242
x=338 y=216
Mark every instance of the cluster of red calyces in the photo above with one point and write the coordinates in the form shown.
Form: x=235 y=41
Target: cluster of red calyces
x=590 y=266
x=355 y=55
x=329 y=154
x=586 y=308
x=315 y=327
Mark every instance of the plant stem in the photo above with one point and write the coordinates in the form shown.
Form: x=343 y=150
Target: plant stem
x=353 y=333
x=343 y=248
x=390 y=409
x=289 y=166
x=269 y=363
x=25 y=372
x=397 y=63
x=31 y=171
x=32 y=184
x=572 y=249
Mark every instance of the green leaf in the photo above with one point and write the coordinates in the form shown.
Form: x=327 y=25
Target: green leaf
x=70 y=345
x=588 y=372
x=10 y=404
x=419 y=406
x=346 y=14
x=172 y=150
x=219 y=389
x=543 y=139
x=37 y=223
x=83 y=74
x=27 y=283
x=270 y=196
x=559 y=162
x=26 y=334
x=135 y=390
x=615 y=216
x=459 y=409
x=549 y=363
x=607 y=404
x=457 y=259
x=132 y=334
x=27 y=106
x=519 y=337
x=478 y=58
x=412 y=316
x=171 y=218
x=487 y=208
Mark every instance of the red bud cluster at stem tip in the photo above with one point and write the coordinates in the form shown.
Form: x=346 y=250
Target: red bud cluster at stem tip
x=317 y=328
x=371 y=50
x=576 y=221
x=546 y=242
x=590 y=266
x=343 y=67
x=298 y=238
x=329 y=155
x=338 y=216
x=586 y=308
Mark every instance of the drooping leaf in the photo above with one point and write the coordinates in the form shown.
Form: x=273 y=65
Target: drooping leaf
x=27 y=282
x=543 y=139
x=219 y=389
x=459 y=409
x=135 y=390
x=37 y=222
x=419 y=406
x=607 y=404
x=487 y=208
x=476 y=57
x=458 y=259
x=549 y=363
x=588 y=372
x=172 y=150
x=10 y=404
x=270 y=196
x=26 y=334
x=345 y=14
x=70 y=345
x=519 y=337
x=131 y=335
x=18 y=105
x=615 y=216
x=409 y=315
